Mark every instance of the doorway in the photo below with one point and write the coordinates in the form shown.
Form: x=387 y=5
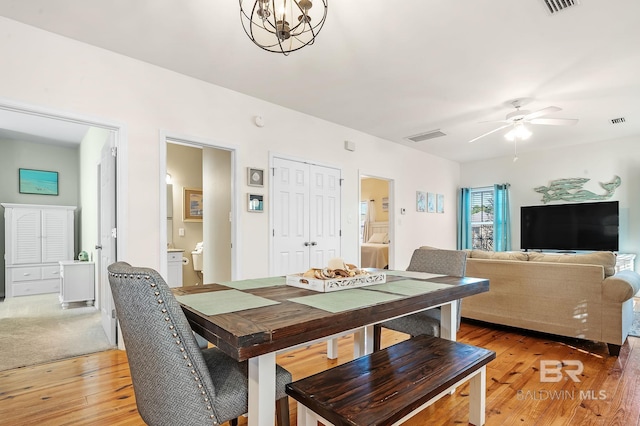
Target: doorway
x=28 y=121
x=376 y=229
x=198 y=211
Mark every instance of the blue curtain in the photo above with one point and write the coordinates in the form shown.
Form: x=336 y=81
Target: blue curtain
x=464 y=219
x=501 y=218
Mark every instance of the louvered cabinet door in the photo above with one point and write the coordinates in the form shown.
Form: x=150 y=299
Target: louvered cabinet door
x=57 y=235
x=25 y=242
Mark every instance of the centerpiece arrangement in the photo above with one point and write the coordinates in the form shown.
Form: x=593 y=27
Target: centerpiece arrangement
x=337 y=275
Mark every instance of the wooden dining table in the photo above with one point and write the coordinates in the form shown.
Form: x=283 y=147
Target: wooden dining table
x=255 y=319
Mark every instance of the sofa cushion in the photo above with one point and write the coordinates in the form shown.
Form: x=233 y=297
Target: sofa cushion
x=605 y=259
x=498 y=255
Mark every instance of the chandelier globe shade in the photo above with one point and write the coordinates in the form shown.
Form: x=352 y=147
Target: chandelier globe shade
x=283 y=26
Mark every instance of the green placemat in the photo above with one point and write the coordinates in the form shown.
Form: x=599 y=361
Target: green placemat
x=255 y=283
x=412 y=274
x=224 y=301
x=408 y=287
x=344 y=300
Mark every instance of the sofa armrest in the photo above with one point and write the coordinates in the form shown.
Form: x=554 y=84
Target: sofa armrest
x=621 y=286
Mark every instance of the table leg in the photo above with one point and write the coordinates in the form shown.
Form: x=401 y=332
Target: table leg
x=449 y=320
x=332 y=348
x=363 y=341
x=262 y=390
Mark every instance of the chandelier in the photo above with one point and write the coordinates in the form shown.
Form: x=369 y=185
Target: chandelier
x=282 y=26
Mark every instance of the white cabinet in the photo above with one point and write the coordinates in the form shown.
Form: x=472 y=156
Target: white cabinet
x=77 y=282
x=174 y=268
x=36 y=239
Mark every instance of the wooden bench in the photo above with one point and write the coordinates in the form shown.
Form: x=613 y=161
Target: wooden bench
x=390 y=386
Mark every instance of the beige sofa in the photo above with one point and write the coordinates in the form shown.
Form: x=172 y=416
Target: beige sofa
x=574 y=295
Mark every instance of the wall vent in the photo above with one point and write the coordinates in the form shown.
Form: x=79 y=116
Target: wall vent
x=619 y=120
x=427 y=135
x=555 y=6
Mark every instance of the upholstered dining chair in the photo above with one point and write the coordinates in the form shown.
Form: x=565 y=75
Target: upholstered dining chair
x=435 y=261
x=176 y=382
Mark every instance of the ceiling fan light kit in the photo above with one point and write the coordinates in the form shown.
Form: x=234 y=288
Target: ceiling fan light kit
x=518 y=133
x=517 y=119
x=282 y=26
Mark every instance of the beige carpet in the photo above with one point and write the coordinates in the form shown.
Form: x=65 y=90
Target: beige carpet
x=35 y=330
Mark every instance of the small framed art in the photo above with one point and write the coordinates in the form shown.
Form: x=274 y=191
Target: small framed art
x=421 y=201
x=192 y=205
x=255 y=177
x=40 y=182
x=440 y=203
x=255 y=203
x=431 y=202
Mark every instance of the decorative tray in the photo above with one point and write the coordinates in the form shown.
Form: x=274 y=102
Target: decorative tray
x=334 y=284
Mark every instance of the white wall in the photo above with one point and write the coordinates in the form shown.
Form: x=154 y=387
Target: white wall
x=66 y=75
x=599 y=162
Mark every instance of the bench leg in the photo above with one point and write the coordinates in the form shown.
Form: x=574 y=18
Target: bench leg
x=477 y=397
x=306 y=417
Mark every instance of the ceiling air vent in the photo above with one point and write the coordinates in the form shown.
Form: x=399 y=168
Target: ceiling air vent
x=555 y=6
x=427 y=135
x=618 y=120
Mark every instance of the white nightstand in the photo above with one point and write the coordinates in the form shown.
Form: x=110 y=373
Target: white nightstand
x=77 y=282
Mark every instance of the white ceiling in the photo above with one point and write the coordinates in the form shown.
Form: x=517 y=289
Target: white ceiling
x=395 y=69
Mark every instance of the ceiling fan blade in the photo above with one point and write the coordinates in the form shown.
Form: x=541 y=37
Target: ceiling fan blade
x=496 y=121
x=541 y=112
x=555 y=121
x=488 y=133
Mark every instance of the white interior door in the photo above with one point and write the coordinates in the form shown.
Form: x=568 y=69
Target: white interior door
x=106 y=247
x=306 y=216
x=290 y=217
x=324 y=215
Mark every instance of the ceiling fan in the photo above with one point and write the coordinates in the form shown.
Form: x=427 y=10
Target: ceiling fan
x=518 y=118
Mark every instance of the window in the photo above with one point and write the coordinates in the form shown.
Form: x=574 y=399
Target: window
x=363 y=217
x=482 y=218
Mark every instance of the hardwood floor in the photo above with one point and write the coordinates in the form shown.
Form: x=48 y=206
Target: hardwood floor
x=96 y=389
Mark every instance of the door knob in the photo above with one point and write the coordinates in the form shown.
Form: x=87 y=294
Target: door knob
x=98 y=247
x=313 y=243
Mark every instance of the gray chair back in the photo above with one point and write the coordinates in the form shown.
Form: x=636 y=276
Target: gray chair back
x=445 y=262
x=170 y=379
x=435 y=261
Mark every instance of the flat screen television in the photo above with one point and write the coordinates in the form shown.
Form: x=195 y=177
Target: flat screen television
x=570 y=227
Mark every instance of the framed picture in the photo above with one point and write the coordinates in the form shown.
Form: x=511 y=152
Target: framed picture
x=37 y=182
x=421 y=201
x=255 y=203
x=385 y=204
x=255 y=177
x=192 y=205
x=440 y=203
x=431 y=202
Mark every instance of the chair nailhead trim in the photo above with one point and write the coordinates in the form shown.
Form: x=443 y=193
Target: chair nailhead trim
x=181 y=348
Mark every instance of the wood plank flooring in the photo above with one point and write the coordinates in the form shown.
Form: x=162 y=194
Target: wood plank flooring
x=96 y=389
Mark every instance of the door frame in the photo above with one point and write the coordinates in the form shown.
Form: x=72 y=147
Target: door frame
x=272 y=155
x=235 y=194
x=120 y=138
x=392 y=214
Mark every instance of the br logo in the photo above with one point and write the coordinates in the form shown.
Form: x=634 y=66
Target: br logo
x=552 y=371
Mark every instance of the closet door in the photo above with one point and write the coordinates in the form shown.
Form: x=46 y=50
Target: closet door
x=306 y=216
x=324 y=215
x=290 y=217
